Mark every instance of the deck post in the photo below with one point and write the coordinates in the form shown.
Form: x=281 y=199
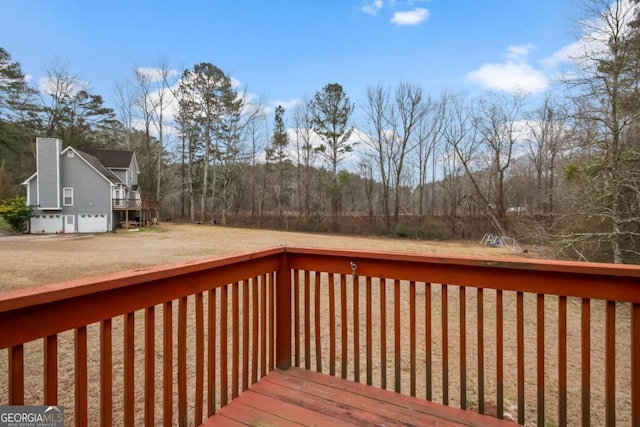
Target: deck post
x=283 y=313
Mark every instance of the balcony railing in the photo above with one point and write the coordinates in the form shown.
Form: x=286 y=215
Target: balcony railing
x=135 y=204
x=541 y=341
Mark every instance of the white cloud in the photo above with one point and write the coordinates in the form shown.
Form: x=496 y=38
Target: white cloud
x=155 y=74
x=519 y=52
x=515 y=74
x=411 y=17
x=510 y=77
x=563 y=55
x=235 y=83
x=595 y=37
x=287 y=105
x=371 y=8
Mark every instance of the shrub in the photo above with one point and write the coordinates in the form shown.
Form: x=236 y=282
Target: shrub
x=15 y=212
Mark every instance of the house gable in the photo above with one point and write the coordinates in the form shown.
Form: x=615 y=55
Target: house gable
x=91 y=189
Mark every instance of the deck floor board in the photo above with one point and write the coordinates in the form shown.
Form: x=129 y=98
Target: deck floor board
x=297 y=397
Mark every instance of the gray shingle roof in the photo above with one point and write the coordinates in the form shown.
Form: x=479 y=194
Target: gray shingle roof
x=100 y=167
x=114 y=159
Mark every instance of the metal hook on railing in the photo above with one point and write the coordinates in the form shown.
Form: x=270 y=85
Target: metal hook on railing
x=354 y=266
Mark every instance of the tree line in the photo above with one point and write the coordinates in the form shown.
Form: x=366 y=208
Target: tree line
x=561 y=172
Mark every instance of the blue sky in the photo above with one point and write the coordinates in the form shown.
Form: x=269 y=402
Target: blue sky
x=286 y=50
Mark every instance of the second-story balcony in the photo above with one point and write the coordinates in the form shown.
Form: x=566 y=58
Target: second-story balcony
x=135 y=204
x=298 y=336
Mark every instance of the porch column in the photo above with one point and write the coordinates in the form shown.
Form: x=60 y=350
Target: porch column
x=283 y=313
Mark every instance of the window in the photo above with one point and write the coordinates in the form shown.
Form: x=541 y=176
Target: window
x=68 y=196
x=118 y=197
x=70 y=153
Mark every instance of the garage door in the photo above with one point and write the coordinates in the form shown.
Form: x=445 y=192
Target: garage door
x=46 y=224
x=92 y=223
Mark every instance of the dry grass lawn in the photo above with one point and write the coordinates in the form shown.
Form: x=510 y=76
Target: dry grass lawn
x=34 y=260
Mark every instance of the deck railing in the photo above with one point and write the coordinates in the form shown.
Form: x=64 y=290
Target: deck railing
x=542 y=341
x=135 y=204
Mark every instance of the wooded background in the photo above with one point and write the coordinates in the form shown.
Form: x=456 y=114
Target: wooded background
x=563 y=173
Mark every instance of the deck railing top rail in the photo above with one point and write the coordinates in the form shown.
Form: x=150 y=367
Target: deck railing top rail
x=566 y=278
x=437 y=269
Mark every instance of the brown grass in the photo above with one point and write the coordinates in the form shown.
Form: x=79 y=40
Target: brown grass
x=33 y=260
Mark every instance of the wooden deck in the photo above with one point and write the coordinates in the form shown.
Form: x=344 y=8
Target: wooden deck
x=297 y=397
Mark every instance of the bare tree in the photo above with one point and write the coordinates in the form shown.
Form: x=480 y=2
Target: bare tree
x=394 y=132
x=497 y=119
x=305 y=155
x=146 y=105
x=163 y=98
x=378 y=104
x=234 y=123
x=605 y=212
x=462 y=136
x=549 y=134
x=429 y=137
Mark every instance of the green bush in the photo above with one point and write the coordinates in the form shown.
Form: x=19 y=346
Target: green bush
x=15 y=212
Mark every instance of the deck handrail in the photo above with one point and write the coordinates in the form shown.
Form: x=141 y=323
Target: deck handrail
x=135 y=204
x=243 y=296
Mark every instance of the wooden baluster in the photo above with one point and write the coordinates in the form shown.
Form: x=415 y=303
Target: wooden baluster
x=383 y=333
x=199 y=380
x=51 y=370
x=81 y=381
x=480 y=333
x=272 y=322
x=149 y=366
x=397 y=336
x=412 y=336
x=562 y=361
x=540 y=357
x=182 y=362
x=520 y=354
x=245 y=334
x=296 y=318
x=356 y=328
x=610 y=364
x=106 y=373
x=317 y=326
x=369 y=333
x=307 y=326
x=167 y=363
x=586 y=362
x=263 y=328
x=235 y=344
x=499 y=354
x=16 y=375
x=343 y=321
x=463 y=346
x=224 y=308
x=427 y=339
x=635 y=364
x=332 y=327
x=255 y=332
x=445 y=345
x=129 y=371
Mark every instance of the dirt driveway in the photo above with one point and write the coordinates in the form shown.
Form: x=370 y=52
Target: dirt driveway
x=32 y=260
